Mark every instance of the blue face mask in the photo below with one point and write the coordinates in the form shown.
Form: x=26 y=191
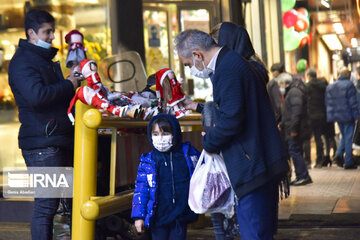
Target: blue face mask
x=42 y=43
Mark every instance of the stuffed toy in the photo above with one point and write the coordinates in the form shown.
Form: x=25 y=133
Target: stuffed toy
x=88 y=69
x=76 y=48
x=98 y=95
x=169 y=90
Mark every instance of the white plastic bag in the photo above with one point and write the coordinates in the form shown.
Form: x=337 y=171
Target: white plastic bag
x=210 y=189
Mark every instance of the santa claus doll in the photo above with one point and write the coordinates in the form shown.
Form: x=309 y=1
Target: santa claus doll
x=98 y=95
x=88 y=69
x=76 y=48
x=169 y=90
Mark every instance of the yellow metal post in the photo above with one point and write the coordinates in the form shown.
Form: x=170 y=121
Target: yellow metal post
x=85 y=166
x=113 y=161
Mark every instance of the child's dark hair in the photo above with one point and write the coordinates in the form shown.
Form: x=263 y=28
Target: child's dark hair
x=163 y=123
x=35 y=18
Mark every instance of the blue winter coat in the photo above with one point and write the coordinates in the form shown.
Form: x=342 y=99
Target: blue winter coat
x=340 y=101
x=146 y=197
x=42 y=96
x=246 y=130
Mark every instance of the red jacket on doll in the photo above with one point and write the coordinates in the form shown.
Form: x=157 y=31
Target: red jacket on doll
x=168 y=88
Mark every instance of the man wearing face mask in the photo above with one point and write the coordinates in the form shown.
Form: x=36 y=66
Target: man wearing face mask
x=294 y=123
x=42 y=96
x=245 y=133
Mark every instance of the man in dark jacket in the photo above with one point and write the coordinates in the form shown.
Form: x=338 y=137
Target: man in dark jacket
x=342 y=107
x=274 y=90
x=245 y=133
x=316 y=88
x=294 y=123
x=42 y=96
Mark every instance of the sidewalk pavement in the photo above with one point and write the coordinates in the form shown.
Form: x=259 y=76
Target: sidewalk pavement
x=334 y=191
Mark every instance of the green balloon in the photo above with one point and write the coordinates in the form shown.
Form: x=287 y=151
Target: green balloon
x=301 y=65
x=286 y=5
x=291 y=39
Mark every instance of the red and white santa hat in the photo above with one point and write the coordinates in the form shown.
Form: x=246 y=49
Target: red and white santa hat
x=68 y=36
x=160 y=76
x=84 y=63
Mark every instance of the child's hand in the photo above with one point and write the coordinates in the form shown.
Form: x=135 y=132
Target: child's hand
x=140 y=226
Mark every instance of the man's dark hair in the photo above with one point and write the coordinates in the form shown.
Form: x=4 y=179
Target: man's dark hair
x=35 y=18
x=311 y=72
x=277 y=67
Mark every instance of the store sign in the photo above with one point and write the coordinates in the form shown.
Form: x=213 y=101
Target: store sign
x=154 y=35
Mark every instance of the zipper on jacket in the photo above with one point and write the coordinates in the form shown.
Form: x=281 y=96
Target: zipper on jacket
x=172 y=176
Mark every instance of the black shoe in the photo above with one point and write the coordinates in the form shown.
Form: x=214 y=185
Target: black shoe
x=301 y=182
x=352 y=165
x=327 y=161
x=319 y=162
x=339 y=161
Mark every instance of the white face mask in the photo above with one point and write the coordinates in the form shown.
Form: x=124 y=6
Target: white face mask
x=162 y=143
x=200 y=73
x=42 y=43
x=282 y=90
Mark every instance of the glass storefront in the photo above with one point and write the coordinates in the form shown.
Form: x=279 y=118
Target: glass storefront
x=91 y=17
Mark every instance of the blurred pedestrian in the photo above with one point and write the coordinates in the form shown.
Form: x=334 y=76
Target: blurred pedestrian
x=316 y=88
x=294 y=123
x=342 y=107
x=274 y=91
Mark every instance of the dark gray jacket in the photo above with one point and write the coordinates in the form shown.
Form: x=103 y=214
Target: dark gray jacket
x=295 y=115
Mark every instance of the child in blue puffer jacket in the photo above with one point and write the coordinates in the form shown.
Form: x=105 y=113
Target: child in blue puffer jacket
x=162 y=185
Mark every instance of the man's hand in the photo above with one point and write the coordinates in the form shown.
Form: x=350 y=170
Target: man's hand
x=75 y=80
x=190 y=105
x=140 y=226
x=293 y=134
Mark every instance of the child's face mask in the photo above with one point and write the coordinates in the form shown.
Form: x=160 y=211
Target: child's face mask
x=162 y=143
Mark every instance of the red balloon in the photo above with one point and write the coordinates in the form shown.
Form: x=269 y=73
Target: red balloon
x=290 y=18
x=301 y=24
x=305 y=40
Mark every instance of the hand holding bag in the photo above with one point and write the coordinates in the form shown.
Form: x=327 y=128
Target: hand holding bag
x=210 y=188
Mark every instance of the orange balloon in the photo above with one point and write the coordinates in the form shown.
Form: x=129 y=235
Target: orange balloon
x=301 y=24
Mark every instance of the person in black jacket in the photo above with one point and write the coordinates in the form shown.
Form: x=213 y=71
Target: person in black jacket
x=317 y=113
x=274 y=90
x=294 y=123
x=42 y=96
x=237 y=38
